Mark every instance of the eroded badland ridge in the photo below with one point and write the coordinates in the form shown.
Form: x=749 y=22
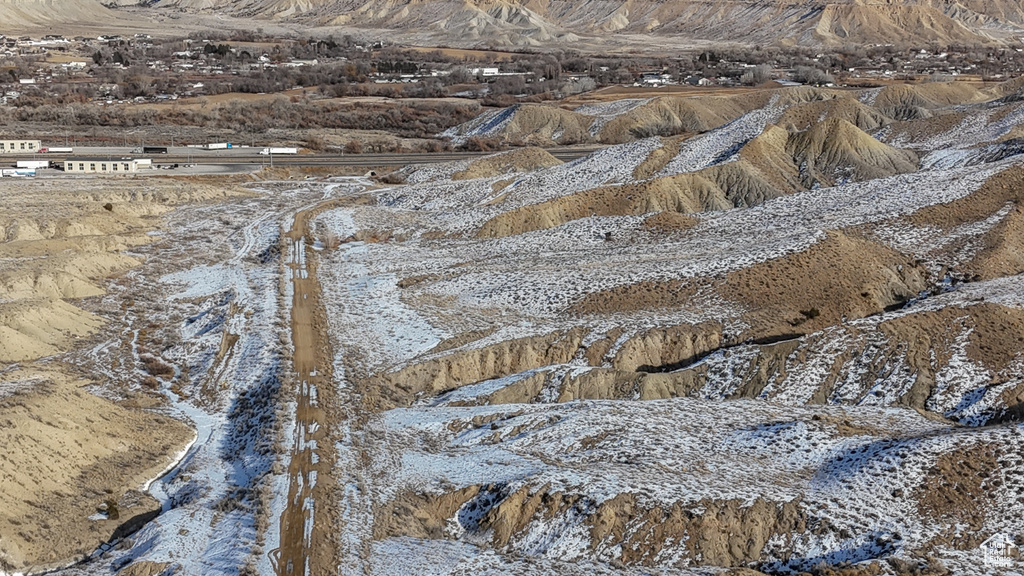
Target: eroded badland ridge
x=744 y=327
x=545 y=22
x=839 y=285
x=786 y=340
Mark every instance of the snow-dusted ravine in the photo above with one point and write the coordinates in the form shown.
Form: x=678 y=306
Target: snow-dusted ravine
x=217 y=283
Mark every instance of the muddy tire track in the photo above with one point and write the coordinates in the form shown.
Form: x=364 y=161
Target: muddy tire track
x=308 y=539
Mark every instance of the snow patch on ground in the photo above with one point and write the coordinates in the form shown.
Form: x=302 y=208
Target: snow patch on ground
x=721 y=144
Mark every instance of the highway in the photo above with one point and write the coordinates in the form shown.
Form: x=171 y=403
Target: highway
x=250 y=156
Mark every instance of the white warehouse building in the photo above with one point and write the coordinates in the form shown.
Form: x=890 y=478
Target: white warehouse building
x=89 y=165
x=19 y=146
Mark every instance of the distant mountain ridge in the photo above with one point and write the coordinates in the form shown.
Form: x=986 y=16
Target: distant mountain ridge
x=543 y=22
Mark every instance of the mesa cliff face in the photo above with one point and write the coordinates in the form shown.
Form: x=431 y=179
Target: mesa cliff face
x=540 y=21
x=556 y=22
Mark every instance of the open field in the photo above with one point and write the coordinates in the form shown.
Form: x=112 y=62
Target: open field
x=467 y=54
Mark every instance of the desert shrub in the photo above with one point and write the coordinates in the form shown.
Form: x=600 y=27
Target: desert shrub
x=663 y=127
x=435 y=146
x=405 y=119
x=155 y=366
x=316 y=143
x=111 y=508
x=481 y=144
x=392 y=178
x=234 y=500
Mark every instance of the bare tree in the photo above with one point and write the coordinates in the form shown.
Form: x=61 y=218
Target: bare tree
x=812 y=76
x=757 y=75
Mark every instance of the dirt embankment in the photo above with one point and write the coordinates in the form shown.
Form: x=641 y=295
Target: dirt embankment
x=73 y=468
x=469 y=366
x=669 y=115
x=60 y=245
x=656 y=350
x=716 y=532
x=839 y=278
x=996 y=334
x=958 y=490
x=660 y=157
x=75 y=462
x=522 y=160
x=910 y=353
x=836 y=149
x=530 y=124
x=803 y=116
x=845 y=276
x=902 y=101
x=1001 y=251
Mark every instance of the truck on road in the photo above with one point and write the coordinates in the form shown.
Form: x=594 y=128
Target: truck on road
x=17 y=172
x=267 y=151
x=33 y=164
x=154 y=149
x=58 y=150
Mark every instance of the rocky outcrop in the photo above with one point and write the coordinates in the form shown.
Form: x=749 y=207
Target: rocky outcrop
x=463 y=367
x=624 y=529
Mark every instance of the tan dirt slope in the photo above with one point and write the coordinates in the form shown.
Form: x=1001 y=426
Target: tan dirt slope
x=60 y=244
x=774 y=163
x=72 y=469
x=74 y=463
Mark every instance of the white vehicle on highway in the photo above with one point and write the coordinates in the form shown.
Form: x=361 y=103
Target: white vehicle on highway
x=267 y=151
x=33 y=164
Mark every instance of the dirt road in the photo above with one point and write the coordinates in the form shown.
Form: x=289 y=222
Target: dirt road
x=307 y=535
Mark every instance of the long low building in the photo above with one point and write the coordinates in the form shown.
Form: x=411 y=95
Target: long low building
x=96 y=165
x=19 y=146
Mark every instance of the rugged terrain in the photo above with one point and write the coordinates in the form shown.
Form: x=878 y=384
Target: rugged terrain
x=788 y=340
x=538 y=22
x=80 y=452
x=595 y=24
x=781 y=335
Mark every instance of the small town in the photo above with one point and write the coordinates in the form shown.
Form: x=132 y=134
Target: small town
x=114 y=69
